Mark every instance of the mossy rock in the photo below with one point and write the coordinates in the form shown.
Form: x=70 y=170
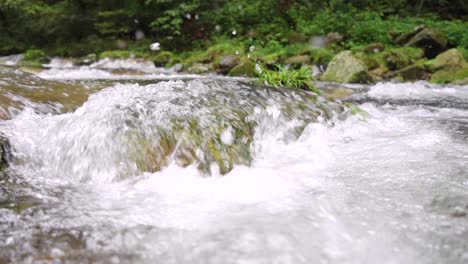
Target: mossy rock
x=400 y=58
x=199 y=68
x=245 y=69
x=162 y=59
x=450 y=75
x=345 y=67
x=361 y=77
x=374 y=47
x=370 y=62
x=413 y=72
x=430 y=40
x=227 y=63
x=86 y=60
x=450 y=59
x=5 y=153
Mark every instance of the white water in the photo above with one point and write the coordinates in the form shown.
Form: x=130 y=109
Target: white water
x=381 y=188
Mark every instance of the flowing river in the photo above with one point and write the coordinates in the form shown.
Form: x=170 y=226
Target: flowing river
x=149 y=166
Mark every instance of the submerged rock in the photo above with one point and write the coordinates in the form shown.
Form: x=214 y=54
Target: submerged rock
x=5 y=153
x=86 y=60
x=345 y=67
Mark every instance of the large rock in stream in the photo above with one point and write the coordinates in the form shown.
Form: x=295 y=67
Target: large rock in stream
x=429 y=39
x=450 y=67
x=346 y=68
x=129 y=129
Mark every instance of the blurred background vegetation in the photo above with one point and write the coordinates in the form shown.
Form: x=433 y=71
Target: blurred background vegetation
x=79 y=27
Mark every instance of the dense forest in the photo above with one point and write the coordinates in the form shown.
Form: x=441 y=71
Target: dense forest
x=76 y=27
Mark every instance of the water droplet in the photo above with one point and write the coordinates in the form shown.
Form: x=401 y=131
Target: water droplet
x=258 y=68
x=155 y=46
x=139 y=35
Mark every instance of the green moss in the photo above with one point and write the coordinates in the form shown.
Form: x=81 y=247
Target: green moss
x=321 y=56
x=116 y=54
x=164 y=58
x=245 y=69
x=34 y=57
x=399 y=58
x=450 y=75
x=356 y=110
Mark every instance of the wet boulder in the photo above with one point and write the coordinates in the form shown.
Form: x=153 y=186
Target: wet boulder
x=429 y=39
x=449 y=67
x=199 y=68
x=450 y=59
x=86 y=60
x=5 y=153
x=227 y=63
x=345 y=68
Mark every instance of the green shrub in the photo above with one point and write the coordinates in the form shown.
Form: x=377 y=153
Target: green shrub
x=300 y=78
x=35 y=55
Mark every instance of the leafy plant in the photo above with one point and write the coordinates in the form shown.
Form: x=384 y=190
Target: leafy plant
x=285 y=77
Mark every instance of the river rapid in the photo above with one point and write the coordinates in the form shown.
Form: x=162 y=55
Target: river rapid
x=294 y=178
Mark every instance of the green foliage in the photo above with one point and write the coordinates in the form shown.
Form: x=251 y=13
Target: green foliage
x=300 y=78
x=116 y=54
x=78 y=27
x=34 y=55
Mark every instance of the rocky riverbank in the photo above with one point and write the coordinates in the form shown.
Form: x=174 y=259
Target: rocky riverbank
x=422 y=54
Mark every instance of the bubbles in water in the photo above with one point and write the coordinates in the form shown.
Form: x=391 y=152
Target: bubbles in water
x=227 y=137
x=155 y=46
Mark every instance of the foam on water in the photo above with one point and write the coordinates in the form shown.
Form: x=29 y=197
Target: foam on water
x=128 y=64
x=361 y=191
x=416 y=90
